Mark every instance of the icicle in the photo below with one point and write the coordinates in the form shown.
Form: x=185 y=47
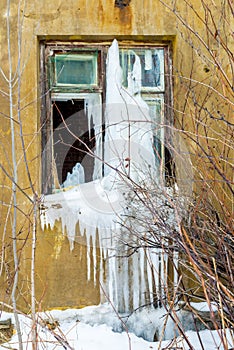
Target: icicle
x=98 y=161
x=94 y=260
x=125 y=285
x=101 y=270
x=88 y=259
x=112 y=279
x=149 y=274
x=82 y=227
x=135 y=272
x=94 y=113
x=155 y=259
x=142 y=276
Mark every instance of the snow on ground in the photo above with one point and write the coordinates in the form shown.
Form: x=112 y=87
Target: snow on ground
x=95 y=328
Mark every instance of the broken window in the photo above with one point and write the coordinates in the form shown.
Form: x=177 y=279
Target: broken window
x=73 y=125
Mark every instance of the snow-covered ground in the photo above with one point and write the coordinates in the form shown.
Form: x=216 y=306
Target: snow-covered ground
x=99 y=328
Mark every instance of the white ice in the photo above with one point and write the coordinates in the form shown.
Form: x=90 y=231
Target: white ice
x=77 y=176
x=100 y=328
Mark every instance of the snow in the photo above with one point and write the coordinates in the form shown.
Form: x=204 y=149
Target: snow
x=204 y=307
x=100 y=328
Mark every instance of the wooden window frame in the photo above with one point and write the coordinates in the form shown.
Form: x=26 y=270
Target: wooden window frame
x=48 y=48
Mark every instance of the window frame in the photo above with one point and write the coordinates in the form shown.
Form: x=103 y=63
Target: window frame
x=47 y=48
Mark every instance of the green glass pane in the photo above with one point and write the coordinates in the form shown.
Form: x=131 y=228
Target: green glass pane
x=76 y=69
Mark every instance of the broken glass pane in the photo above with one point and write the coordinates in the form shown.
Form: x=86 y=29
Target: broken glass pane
x=76 y=69
x=152 y=67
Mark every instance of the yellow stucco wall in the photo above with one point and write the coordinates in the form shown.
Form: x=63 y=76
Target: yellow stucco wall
x=61 y=274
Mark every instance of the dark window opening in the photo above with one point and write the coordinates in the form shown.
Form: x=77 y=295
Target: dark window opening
x=72 y=138
x=170 y=169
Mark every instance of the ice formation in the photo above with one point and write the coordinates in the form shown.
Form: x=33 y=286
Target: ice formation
x=94 y=113
x=128 y=130
x=77 y=176
x=98 y=209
